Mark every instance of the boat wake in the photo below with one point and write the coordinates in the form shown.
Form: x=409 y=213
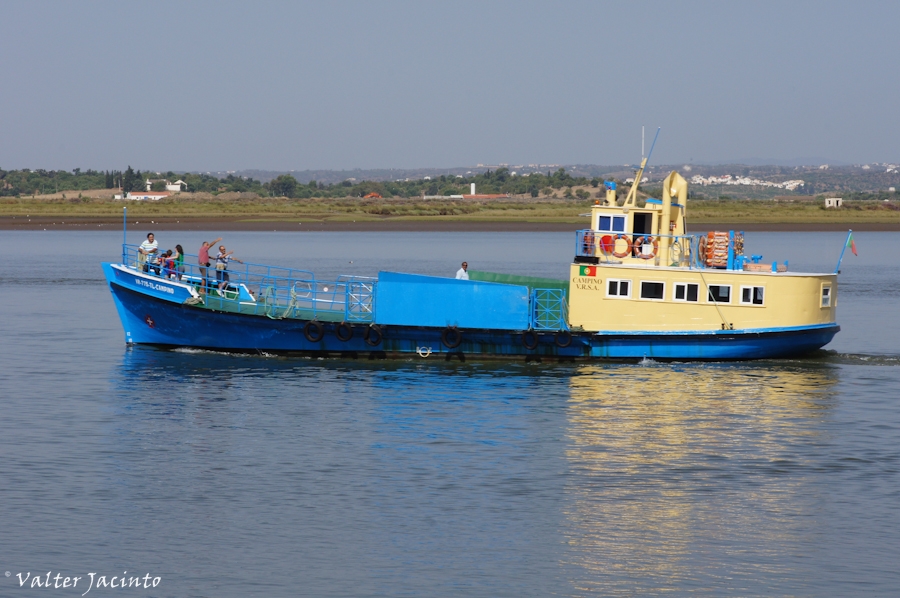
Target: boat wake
x=864 y=359
x=194 y=351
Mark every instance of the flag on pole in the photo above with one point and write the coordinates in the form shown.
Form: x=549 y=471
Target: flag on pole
x=852 y=244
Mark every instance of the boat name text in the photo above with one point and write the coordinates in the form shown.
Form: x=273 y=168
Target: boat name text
x=587 y=283
x=154 y=286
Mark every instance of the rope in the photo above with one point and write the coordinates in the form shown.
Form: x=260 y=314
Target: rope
x=725 y=323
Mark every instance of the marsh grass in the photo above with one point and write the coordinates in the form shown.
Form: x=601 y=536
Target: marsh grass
x=503 y=210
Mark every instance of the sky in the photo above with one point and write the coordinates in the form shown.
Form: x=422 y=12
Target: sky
x=225 y=85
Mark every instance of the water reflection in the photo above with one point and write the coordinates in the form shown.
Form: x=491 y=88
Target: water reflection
x=609 y=478
x=692 y=476
x=386 y=476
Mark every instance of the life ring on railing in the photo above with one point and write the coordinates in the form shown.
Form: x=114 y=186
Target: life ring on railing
x=701 y=250
x=655 y=243
x=314 y=331
x=530 y=339
x=343 y=331
x=451 y=337
x=563 y=339
x=373 y=335
x=627 y=251
x=636 y=246
x=587 y=243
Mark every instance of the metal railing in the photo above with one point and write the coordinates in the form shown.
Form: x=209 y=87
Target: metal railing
x=683 y=249
x=549 y=309
x=260 y=289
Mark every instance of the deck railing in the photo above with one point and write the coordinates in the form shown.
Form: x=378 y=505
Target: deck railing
x=549 y=309
x=260 y=289
x=607 y=247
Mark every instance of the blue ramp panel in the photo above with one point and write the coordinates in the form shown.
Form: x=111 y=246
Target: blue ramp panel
x=414 y=300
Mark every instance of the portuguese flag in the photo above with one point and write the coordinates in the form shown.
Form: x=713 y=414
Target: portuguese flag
x=590 y=270
x=852 y=244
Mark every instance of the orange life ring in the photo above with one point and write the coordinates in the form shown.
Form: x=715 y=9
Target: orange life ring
x=636 y=246
x=627 y=251
x=650 y=256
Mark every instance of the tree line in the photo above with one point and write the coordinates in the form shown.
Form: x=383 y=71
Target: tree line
x=25 y=182
x=499 y=181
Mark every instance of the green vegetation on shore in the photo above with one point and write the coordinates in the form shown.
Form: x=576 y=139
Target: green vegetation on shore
x=503 y=210
x=551 y=197
x=20 y=183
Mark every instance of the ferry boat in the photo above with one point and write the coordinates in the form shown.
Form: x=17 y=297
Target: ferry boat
x=639 y=287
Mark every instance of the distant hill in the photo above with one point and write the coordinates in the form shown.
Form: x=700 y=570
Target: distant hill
x=818 y=177
x=809 y=161
x=719 y=181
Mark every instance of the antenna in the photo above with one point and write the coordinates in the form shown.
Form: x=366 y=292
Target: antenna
x=632 y=193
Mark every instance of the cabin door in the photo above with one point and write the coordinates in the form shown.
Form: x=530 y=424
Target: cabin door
x=643 y=224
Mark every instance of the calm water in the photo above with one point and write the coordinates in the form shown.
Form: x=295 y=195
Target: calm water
x=252 y=476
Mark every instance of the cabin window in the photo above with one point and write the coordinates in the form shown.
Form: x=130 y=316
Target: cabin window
x=752 y=295
x=826 y=295
x=652 y=290
x=687 y=292
x=612 y=224
x=719 y=293
x=618 y=288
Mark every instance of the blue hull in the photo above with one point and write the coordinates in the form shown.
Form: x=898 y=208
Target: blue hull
x=157 y=315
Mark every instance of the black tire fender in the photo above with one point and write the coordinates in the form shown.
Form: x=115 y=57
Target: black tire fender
x=373 y=335
x=563 y=339
x=530 y=339
x=343 y=331
x=451 y=337
x=314 y=331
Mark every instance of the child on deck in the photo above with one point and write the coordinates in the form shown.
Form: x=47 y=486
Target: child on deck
x=168 y=264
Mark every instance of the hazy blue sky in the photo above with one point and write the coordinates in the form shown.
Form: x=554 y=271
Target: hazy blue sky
x=302 y=85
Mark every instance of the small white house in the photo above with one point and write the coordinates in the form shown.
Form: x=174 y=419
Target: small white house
x=833 y=202
x=143 y=195
x=176 y=187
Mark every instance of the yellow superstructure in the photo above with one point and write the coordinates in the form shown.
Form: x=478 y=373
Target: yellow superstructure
x=638 y=270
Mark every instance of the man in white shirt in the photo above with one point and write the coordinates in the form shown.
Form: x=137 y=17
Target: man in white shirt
x=149 y=249
x=462 y=273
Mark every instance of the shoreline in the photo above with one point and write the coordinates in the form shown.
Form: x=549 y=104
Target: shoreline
x=8 y=223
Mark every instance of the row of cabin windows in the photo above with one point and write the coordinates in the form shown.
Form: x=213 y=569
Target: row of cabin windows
x=686 y=292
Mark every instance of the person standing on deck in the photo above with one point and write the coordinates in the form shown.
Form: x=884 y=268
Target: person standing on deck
x=203 y=260
x=148 y=251
x=222 y=260
x=179 y=262
x=463 y=273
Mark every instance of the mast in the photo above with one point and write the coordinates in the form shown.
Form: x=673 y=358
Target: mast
x=632 y=193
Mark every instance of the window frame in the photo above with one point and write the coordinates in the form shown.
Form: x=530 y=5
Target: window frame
x=717 y=301
x=618 y=282
x=662 y=297
x=686 y=285
x=830 y=303
x=752 y=289
x=612 y=221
